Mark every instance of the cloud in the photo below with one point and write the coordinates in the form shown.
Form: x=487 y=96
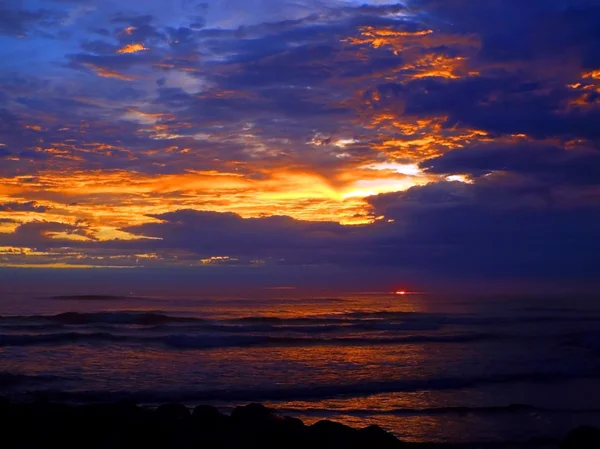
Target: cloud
x=550 y=164
x=438 y=231
x=30 y=206
x=134 y=21
x=43 y=235
x=276 y=239
x=193 y=126
x=108 y=73
x=15 y=21
x=131 y=48
x=492 y=229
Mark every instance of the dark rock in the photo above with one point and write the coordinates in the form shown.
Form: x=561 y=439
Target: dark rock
x=4 y=402
x=127 y=403
x=206 y=417
x=254 y=415
x=256 y=426
x=584 y=437
x=293 y=424
x=126 y=425
x=207 y=413
x=209 y=428
x=327 y=433
x=375 y=436
x=172 y=412
x=290 y=433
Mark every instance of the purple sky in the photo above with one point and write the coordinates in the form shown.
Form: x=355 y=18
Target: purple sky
x=269 y=142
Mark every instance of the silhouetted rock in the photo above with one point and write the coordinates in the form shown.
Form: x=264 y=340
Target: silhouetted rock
x=257 y=426
x=584 y=437
x=127 y=403
x=125 y=425
x=293 y=424
x=375 y=436
x=327 y=433
x=208 y=414
x=172 y=412
x=254 y=414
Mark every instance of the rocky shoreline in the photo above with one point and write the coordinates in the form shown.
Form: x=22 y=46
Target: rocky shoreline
x=41 y=425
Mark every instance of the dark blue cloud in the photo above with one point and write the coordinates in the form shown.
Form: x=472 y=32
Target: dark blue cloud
x=501 y=105
x=15 y=21
x=138 y=21
x=37 y=234
x=275 y=240
x=30 y=206
x=489 y=230
x=545 y=163
x=99 y=47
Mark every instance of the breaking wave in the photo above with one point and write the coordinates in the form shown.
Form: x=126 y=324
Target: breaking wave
x=380 y=320
x=185 y=341
x=325 y=391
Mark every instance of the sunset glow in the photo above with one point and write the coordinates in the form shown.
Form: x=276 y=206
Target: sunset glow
x=375 y=222
x=131 y=48
x=140 y=129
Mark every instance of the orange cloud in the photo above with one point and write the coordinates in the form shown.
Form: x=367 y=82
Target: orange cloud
x=400 y=41
x=595 y=74
x=434 y=65
x=62 y=265
x=111 y=200
x=143 y=117
x=390 y=131
x=589 y=88
x=107 y=73
x=131 y=48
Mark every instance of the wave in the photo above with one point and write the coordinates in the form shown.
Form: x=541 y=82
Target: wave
x=378 y=321
x=228 y=328
x=372 y=320
x=158 y=321
x=187 y=341
x=317 y=392
x=346 y=326
x=57 y=339
x=139 y=318
x=200 y=342
x=586 y=340
x=415 y=319
x=238 y=325
x=76 y=318
x=436 y=411
x=459 y=319
x=550 y=309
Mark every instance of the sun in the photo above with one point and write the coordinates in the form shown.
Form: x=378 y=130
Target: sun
x=401 y=292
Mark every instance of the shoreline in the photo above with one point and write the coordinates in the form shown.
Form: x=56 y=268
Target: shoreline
x=43 y=424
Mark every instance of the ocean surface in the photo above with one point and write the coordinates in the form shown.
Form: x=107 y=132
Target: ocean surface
x=428 y=368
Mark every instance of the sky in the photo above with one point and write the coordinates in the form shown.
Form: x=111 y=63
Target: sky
x=339 y=140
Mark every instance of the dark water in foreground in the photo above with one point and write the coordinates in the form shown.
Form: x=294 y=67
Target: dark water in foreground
x=426 y=368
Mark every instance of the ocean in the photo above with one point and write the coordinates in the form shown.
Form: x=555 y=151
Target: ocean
x=429 y=368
